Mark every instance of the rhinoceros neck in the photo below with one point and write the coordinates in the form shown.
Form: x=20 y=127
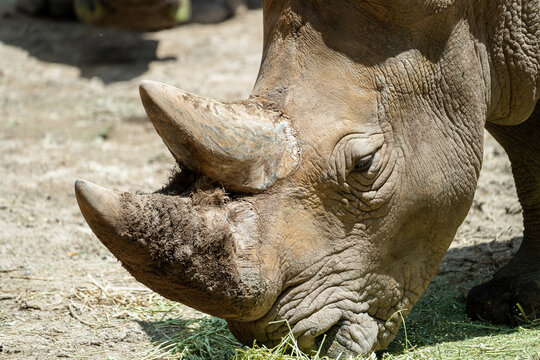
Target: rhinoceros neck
x=511 y=36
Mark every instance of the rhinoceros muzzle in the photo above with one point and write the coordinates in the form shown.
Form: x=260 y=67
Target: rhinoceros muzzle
x=200 y=247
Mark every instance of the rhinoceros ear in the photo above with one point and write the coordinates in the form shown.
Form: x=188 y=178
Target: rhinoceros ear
x=240 y=144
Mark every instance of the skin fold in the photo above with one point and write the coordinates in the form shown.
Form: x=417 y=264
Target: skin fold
x=365 y=131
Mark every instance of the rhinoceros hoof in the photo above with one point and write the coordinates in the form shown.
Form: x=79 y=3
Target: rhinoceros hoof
x=506 y=300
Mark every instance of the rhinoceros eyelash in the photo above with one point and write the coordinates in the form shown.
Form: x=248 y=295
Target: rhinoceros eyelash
x=363 y=164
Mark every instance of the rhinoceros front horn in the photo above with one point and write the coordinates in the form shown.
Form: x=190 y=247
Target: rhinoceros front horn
x=240 y=144
x=204 y=256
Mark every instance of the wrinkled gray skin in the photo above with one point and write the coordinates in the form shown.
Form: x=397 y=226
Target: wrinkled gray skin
x=358 y=155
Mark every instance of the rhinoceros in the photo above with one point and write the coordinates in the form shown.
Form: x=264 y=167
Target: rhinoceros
x=326 y=201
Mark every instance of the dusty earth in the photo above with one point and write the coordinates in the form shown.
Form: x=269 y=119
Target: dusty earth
x=69 y=108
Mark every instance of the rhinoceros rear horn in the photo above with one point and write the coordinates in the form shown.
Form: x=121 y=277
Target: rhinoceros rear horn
x=245 y=147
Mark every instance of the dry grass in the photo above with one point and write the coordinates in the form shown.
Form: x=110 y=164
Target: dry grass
x=437 y=328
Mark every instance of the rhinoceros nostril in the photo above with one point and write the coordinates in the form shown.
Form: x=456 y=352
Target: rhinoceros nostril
x=325 y=340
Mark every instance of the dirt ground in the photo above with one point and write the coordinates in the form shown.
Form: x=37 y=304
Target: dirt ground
x=69 y=108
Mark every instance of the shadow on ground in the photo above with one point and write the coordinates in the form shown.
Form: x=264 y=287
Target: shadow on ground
x=437 y=318
x=109 y=54
x=439 y=315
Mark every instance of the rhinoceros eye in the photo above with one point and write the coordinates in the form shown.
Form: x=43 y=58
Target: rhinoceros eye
x=363 y=164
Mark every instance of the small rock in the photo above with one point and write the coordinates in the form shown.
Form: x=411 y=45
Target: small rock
x=30 y=306
x=478 y=205
x=513 y=209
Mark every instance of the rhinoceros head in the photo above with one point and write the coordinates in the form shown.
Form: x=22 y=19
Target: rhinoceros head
x=330 y=196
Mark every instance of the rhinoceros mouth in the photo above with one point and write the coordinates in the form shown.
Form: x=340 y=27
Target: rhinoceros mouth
x=335 y=332
x=331 y=312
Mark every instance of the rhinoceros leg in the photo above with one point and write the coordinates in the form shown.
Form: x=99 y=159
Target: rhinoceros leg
x=519 y=281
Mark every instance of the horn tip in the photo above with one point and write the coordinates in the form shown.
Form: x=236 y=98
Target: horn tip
x=146 y=83
x=85 y=188
x=81 y=188
x=99 y=206
x=147 y=86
